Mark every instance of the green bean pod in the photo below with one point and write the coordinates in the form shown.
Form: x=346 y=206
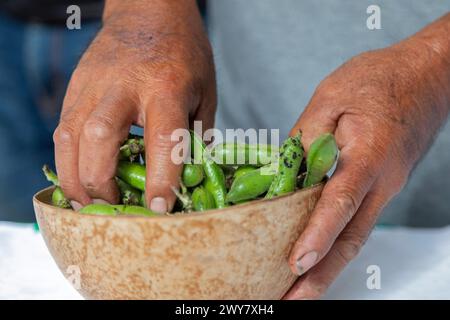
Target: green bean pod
x=114 y=210
x=58 y=198
x=128 y=194
x=50 y=175
x=291 y=155
x=321 y=157
x=100 y=209
x=250 y=185
x=232 y=153
x=214 y=180
x=135 y=210
x=192 y=175
x=202 y=199
x=132 y=173
x=243 y=170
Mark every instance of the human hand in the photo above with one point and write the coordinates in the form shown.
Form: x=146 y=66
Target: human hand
x=384 y=108
x=150 y=65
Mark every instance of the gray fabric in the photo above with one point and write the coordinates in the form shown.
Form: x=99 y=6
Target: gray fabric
x=270 y=56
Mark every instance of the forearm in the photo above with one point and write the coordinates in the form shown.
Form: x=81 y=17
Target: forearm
x=428 y=52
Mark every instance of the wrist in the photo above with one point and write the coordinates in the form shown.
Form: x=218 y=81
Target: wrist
x=129 y=14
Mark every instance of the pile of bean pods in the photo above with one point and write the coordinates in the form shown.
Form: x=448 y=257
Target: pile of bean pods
x=228 y=174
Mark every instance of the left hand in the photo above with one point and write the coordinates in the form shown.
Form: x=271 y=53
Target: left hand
x=384 y=108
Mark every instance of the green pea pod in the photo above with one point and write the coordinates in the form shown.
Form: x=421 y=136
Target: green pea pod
x=214 y=180
x=58 y=198
x=100 y=209
x=134 y=210
x=132 y=173
x=250 y=185
x=232 y=153
x=128 y=194
x=243 y=170
x=202 y=199
x=50 y=175
x=291 y=155
x=321 y=157
x=114 y=210
x=192 y=175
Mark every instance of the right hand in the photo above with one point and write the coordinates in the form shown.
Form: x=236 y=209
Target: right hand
x=154 y=71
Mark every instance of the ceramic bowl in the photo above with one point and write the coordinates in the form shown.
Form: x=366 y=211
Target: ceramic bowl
x=238 y=252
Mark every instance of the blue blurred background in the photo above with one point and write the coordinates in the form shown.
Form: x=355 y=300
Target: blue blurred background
x=37 y=56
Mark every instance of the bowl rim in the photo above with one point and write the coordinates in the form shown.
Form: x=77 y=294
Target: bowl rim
x=174 y=215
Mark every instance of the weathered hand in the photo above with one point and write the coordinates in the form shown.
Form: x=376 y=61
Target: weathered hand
x=384 y=108
x=150 y=65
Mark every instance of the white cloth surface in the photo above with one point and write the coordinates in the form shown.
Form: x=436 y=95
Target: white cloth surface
x=27 y=270
x=414 y=264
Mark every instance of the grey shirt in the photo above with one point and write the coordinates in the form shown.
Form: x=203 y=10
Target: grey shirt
x=271 y=54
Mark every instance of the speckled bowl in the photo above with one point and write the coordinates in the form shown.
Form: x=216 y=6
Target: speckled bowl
x=235 y=253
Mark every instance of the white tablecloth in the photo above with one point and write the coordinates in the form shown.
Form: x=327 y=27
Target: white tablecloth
x=413 y=264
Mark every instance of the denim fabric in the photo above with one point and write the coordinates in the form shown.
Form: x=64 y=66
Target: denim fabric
x=36 y=62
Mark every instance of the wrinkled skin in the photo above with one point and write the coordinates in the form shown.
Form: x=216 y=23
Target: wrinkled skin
x=384 y=108
x=150 y=65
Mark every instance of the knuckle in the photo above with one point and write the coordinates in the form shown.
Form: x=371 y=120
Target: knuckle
x=88 y=182
x=349 y=244
x=345 y=203
x=64 y=134
x=98 y=129
x=345 y=253
x=92 y=183
x=327 y=90
x=326 y=232
x=96 y=180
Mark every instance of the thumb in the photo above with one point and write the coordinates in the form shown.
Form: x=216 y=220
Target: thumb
x=163 y=172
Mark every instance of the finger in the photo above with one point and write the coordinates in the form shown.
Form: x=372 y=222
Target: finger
x=340 y=199
x=207 y=109
x=103 y=132
x=316 y=281
x=164 y=115
x=66 y=139
x=316 y=119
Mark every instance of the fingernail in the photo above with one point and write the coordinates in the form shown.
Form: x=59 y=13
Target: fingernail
x=100 y=201
x=159 y=205
x=76 y=205
x=306 y=262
